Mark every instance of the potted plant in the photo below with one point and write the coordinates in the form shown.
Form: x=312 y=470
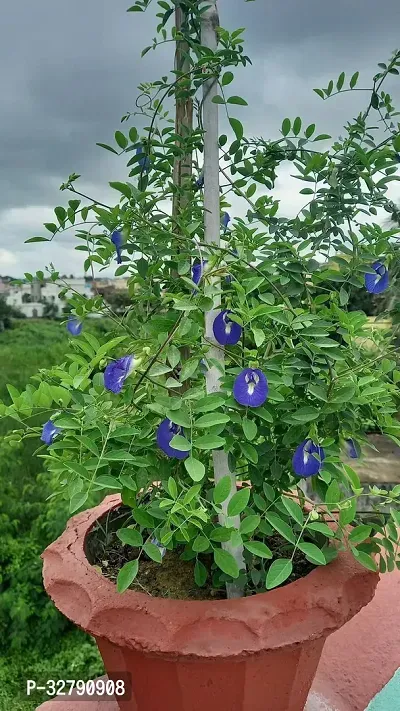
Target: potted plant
x=234 y=376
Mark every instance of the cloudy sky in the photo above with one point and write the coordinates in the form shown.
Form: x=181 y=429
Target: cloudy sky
x=69 y=71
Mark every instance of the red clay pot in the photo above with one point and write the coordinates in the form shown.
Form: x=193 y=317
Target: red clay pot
x=258 y=653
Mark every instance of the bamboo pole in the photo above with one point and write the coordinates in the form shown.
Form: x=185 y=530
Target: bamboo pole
x=210 y=22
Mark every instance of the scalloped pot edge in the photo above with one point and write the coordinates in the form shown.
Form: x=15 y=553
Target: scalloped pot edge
x=322 y=601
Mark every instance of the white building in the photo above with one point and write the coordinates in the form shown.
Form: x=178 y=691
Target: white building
x=31 y=299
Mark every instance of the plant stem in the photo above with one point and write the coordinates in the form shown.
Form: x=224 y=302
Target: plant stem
x=212 y=229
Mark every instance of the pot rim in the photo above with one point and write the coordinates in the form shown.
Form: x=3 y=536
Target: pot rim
x=311 y=607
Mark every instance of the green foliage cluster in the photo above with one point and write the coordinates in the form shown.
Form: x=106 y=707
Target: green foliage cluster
x=35 y=639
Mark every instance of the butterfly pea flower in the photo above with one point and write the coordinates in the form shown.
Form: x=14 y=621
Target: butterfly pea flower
x=378 y=282
x=200 y=181
x=74 y=327
x=117 y=372
x=250 y=388
x=351 y=449
x=49 y=432
x=144 y=162
x=225 y=220
x=304 y=462
x=198 y=270
x=165 y=433
x=116 y=239
x=226 y=331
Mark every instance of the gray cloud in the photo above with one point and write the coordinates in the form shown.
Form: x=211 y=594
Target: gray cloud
x=68 y=71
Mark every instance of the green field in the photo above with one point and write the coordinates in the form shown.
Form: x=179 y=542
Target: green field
x=36 y=642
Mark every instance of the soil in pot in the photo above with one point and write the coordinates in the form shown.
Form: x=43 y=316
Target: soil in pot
x=174 y=578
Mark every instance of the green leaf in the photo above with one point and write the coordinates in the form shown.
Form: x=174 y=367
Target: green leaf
x=127 y=575
x=348 y=513
x=320 y=93
x=333 y=495
x=238 y=100
x=120 y=139
x=108 y=148
x=249 y=428
x=130 y=537
x=340 y=81
x=208 y=403
x=222 y=490
x=128 y=482
x=180 y=443
x=237 y=128
x=172 y=488
x=310 y=130
x=279 y=571
x=118 y=455
x=200 y=544
x=227 y=78
x=264 y=414
x=293 y=509
x=365 y=559
x=281 y=526
x=195 y=468
x=343 y=296
x=249 y=524
x=259 y=336
x=218 y=100
x=209 y=441
x=221 y=534
x=200 y=573
x=77 y=501
x=354 y=80
x=153 y=552
x=312 y=553
x=322 y=528
x=297 y=125
x=359 y=534
x=306 y=414
x=375 y=100
x=286 y=126
x=179 y=417
x=238 y=502
x=226 y=562
x=211 y=419
x=249 y=452
x=108 y=482
x=37 y=239
x=258 y=548
x=122 y=188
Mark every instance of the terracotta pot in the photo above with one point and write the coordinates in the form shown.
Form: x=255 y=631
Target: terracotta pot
x=258 y=653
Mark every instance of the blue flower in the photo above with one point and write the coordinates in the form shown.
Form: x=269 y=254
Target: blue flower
x=49 y=432
x=116 y=239
x=198 y=270
x=117 y=372
x=200 y=181
x=304 y=462
x=165 y=433
x=225 y=220
x=226 y=331
x=145 y=161
x=74 y=327
x=378 y=282
x=352 y=449
x=251 y=388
